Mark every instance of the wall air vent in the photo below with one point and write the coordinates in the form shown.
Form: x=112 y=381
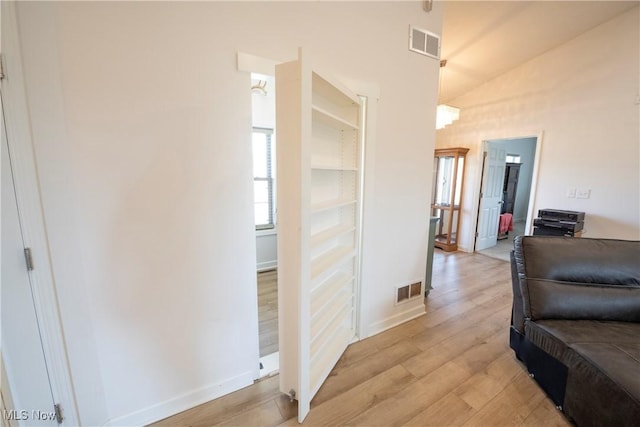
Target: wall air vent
x=407 y=292
x=424 y=42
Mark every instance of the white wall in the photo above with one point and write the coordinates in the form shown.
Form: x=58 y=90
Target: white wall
x=582 y=97
x=141 y=126
x=266 y=250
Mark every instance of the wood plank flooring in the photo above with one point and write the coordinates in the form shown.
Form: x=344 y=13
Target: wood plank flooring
x=268 y=311
x=451 y=367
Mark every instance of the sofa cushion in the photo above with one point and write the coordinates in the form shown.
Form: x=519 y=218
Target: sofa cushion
x=554 y=299
x=605 y=261
x=620 y=362
x=603 y=384
x=556 y=336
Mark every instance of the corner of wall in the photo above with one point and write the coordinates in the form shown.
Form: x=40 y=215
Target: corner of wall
x=408 y=312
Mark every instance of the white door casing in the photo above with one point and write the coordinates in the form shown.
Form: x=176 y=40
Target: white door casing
x=22 y=350
x=490 y=195
x=32 y=227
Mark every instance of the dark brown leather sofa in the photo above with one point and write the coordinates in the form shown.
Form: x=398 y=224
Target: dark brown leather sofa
x=576 y=324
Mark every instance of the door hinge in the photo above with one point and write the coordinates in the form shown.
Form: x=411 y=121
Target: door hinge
x=58 y=410
x=2 y=76
x=28 y=258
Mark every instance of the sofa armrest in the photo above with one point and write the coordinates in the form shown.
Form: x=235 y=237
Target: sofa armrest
x=517 y=311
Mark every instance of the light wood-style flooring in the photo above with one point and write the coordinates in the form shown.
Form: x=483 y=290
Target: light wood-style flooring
x=268 y=311
x=450 y=367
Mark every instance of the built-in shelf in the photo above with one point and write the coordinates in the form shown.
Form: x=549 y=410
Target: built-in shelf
x=329 y=119
x=319 y=157
x=329 y=259
x=323 y=360
x=325 y=314
x=334 y=168
x=323 y=332
x=331 y=204
x=330 y=233
x=323 y=291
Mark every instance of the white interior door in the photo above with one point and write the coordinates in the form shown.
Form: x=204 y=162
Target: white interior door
x=319 y=174
x=490 y=196
x=22 y=351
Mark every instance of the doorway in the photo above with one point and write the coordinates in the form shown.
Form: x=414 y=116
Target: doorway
x=263 y=121
x=505 y=196
x=320 y=205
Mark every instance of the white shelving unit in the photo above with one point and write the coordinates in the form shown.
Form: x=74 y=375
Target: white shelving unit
x=319 y=156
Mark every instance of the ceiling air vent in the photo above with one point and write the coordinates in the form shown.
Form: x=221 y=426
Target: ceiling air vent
x=424 y=42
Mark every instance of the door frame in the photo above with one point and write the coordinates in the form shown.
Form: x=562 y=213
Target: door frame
x=538 y=135
x=30 y=211
x=486 y=155
x=255 y=64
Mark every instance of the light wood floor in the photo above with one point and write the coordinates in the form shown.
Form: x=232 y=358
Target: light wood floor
x=451 y=367
x=268 y=311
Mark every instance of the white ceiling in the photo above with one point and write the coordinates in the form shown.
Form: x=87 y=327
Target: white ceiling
x=483 y=39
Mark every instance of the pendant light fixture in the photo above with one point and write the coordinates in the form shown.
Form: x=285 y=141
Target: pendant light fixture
x=445 y=114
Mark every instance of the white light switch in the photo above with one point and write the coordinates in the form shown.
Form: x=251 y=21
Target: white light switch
x=583 y=194
x=571 y=192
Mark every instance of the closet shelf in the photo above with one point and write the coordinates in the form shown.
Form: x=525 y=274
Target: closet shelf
x=331 y=204
x=331 y=233
x=334 y=168
x=328 y=260
x=329 y=119
x=325 y=290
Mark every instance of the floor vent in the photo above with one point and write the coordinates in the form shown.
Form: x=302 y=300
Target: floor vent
x=407 y=292
x=424 y=42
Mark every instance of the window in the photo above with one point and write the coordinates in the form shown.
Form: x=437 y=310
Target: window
x=263 y=194
x=513 y=158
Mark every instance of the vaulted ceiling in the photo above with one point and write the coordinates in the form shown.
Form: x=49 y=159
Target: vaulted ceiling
x=483 y=39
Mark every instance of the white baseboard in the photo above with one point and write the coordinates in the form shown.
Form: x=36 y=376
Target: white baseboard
x=395 y=320
x=182 y=403
x=466 y=249
x=267 y=265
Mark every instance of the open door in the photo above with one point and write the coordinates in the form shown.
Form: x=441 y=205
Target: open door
x=490 y=196
x=318 y=167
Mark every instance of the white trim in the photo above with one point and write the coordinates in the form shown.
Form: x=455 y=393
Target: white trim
x=256 y=64
x=534 y=185
x=534 y=181
x=266 y=232
x=270 y=364
x=183 y=402
x=32 y=220
x=371 y=91
x=396 y=319
x=267 y=265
